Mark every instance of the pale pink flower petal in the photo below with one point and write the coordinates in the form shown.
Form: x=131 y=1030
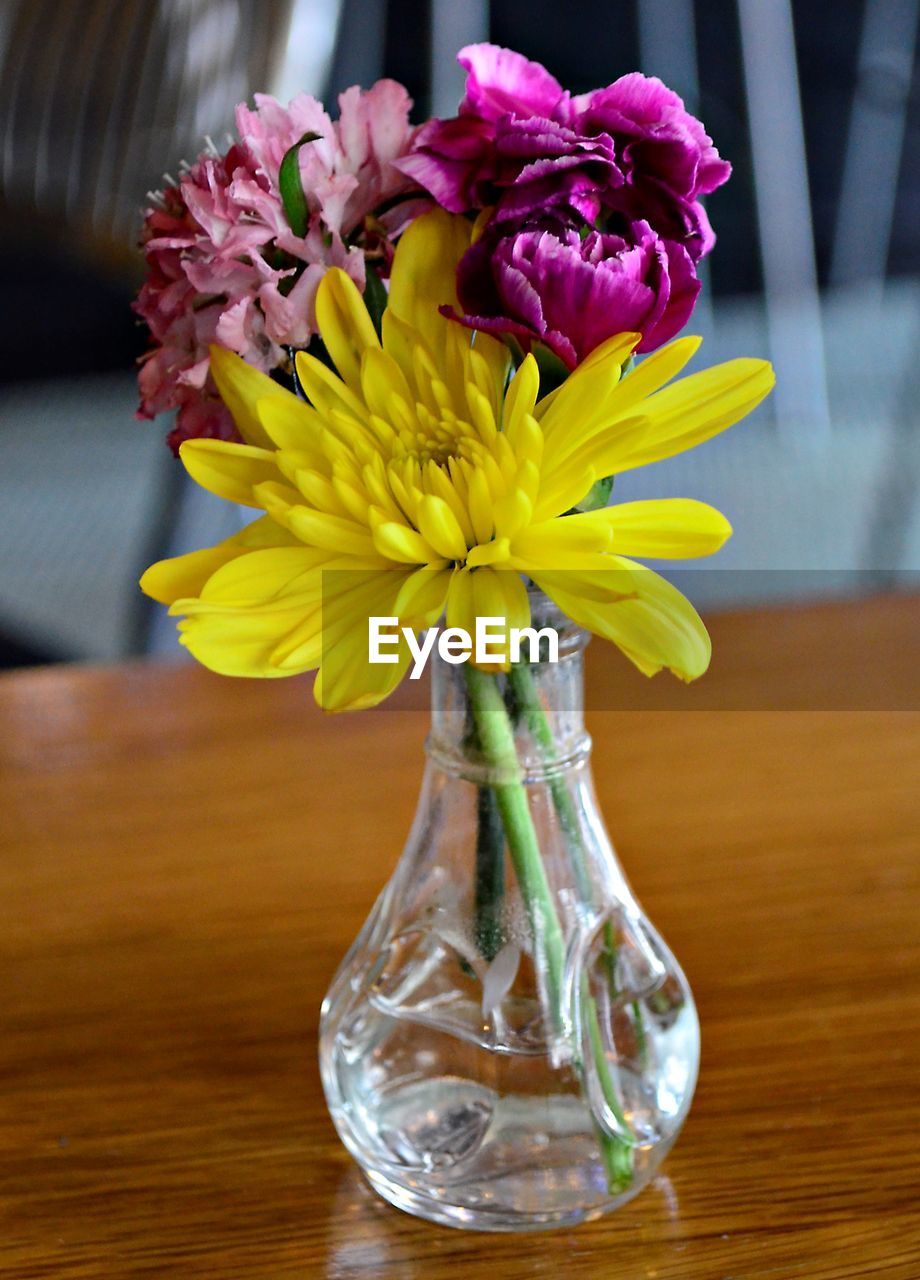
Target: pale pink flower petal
x=220 y=246
x=196 y=375
x=291 y=320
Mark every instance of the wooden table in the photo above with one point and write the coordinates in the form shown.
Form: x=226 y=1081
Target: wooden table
x=186 y=858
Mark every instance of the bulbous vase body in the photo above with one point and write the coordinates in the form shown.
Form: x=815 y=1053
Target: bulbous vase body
x=509 y=1044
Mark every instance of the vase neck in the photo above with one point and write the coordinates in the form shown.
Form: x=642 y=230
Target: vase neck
x=544 y=699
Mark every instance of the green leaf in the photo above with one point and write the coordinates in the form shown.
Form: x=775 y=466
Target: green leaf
x=375 y=297
x=293 y=199
x=553 y=371
x=597 y=496
x=511 y=342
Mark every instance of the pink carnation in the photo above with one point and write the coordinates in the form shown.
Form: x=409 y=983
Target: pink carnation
x=223 y=264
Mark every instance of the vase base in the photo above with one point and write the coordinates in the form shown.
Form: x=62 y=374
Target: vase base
x=483 y=1218
x=451 y=1151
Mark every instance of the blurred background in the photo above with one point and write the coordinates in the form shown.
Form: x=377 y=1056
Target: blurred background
x=817 y=267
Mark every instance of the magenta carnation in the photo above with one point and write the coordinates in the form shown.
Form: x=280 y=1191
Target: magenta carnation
x=668 y=159
x=520 y=143
x=500 y=82
x=571 y=293
x=223 y=264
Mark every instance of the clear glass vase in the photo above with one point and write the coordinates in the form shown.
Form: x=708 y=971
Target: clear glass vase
x=509 y=1044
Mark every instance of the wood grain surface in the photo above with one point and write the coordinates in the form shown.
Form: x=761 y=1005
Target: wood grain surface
x=185 y=859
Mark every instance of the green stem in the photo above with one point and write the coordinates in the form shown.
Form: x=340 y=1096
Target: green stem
x=537 y=721
x=489 y=887
x=618 y=1155
x=496 y=737
x=490 y=874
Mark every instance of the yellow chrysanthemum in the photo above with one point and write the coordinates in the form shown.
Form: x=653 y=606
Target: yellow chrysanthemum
x=419 y=479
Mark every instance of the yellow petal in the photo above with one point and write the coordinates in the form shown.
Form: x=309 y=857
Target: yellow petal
x=264 y=532
x=583 y=402
x=302 y=648
x=330 y=622
x=179 y=576
x=424 y=275
x=654 y=370
x=696 y=408
x=404 y=545
x=562 y=489
x=624 y=402
x=382 y=382
x=317 y=488
x=421 y=598
x=344 y=325
x=345 y=682
x=587 y=394
x=438 y=526
x=438 y=483
x=336 y=533
x=540 y=545
x=422 y=281
x=495 y=358
x=400 y=342
x=229 y=470
x=489 y=593
x=324 y=389
x=565 y=556
x=670 y=528
x=278 y=500
x=639 y=611
x=291 y=424
x=170 y=580
x=521 y=396
x=563 y=486
x=495 y=552
x=241 y=388
x=614 y=350
x=269 y=573
x=354 y=500
x=241 y=641
x=512 y=512
x=347 y=679
x=606 y=451
x=528 y=444
x=481 y=509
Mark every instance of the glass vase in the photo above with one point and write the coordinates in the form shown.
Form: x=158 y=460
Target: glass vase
x=509 y=1044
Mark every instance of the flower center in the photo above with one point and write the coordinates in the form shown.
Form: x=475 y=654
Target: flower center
x=435 y=438
x=438 y=444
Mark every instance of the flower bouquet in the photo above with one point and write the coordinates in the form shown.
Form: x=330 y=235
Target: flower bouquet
x=423 y=356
